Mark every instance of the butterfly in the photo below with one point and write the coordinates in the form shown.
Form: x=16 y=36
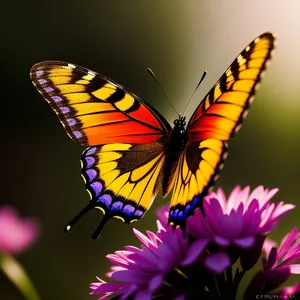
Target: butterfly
x=133 y=151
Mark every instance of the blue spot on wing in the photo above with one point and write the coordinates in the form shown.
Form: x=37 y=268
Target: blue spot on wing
x=106 y=200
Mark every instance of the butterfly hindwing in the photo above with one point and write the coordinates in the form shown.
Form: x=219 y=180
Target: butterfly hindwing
x=122 y=179
x=95 y=110
x=196 y=172
x=214 y=122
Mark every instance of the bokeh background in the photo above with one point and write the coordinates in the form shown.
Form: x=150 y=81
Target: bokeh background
x=178 y=40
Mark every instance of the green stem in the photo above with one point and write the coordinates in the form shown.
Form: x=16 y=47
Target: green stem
x=238 y=277
x=17 y=275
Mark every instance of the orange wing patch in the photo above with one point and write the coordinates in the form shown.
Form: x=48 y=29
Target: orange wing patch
x=93 y=109
x=226 y=105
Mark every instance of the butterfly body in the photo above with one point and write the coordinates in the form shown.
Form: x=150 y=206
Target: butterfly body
x=133 y=152
x=173 y=148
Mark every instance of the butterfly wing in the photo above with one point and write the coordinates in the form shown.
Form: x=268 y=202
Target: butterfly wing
x=122 y=168
x=214 y=122
x=95 y=110
x=122 y=180
x=223 y=109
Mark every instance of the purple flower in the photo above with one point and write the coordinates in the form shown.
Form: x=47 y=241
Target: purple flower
x=16 y=234
x=163 y=215
x=278 y=265
x=238 y=220
x=140 y=272
x=236 y=227
x=215 y=262
x=197 y=264
x=285 y=255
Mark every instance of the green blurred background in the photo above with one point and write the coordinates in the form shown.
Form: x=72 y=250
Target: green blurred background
x=178 y=40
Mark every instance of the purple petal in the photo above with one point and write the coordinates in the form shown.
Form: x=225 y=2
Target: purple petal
x=130 y=290
x=276 y=277
x=252 y=218
x=147 y=242
x=105 y=297
x=132 y=249
x=107 y=288
x=231 y=226
x=222 y=199
x=115 y=269
x=145 y=260
x=221 y=241
x=215 y=207
x=286 y=242
x=168 y=259
x=217 y=262
x=295 y=269
x=281 y=210
x=163 y=214
x=268 y=245
x=155 y=283
x=129 y=276
x=214 y=214
x=117 y=260
x=197 y=225
x=257 y=194
x=270 y=262
x=231 y=200
x=143 y=295
x=240 y=209
x=245 y=242
x=242 y=197
x=267 y=196
x=160 y=226
x=194 y=251
x=294 y=248
x=291 y=259
x=153 y=237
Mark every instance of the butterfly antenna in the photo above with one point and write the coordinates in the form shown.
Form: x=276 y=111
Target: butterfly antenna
x=76 y=218
x=99 y=229
x=202 y=78
x=154 y=77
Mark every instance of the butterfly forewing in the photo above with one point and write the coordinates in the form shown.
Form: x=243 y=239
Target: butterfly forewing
x=224 y=107
x=93 y=109
x=215 y=121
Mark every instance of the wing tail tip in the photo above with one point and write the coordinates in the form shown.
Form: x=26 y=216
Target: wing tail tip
x=70 y=225
x=96 y=234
